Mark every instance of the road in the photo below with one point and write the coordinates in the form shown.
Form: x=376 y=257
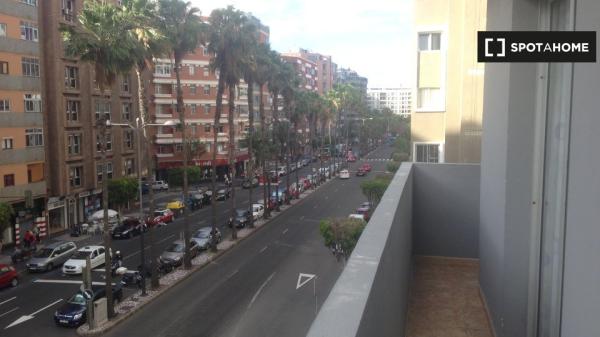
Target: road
x=231 y=295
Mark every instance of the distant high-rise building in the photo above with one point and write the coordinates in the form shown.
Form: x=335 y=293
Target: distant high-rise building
x=325 y=70
x=399 y=100
x=351 y=77
x=21 y=120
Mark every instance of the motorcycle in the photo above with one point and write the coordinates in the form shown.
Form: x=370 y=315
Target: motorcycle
x=22 y=254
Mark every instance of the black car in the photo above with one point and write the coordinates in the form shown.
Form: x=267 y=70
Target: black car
x=242 y=217
x=73 y=312
x=223 y=192
x=128 y=228
x=247 y=183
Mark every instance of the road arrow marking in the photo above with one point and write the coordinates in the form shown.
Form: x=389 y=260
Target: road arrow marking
x=25 y=318
x=304 y=279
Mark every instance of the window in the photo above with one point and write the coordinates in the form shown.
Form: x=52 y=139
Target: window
x=192 y=89
x=102 y=109
x=33 y=102
x=29 y=31
x=206 y=108
x=74 y=144
x=72 y=110
x=108 y=143
x=429 y=41
x=208 y=147
x=207 y=89
x=205 y=71
x=9 y=180
x=128 y=139
x=30 y=2
x=125 y=84
x=162 y=69
x=192 y=70
x=126 y=111
x=109 y=171
x=2 y=29
x=30 y=66
x=178 y=147
x=221 y=129
x=34 y=137
x=428 y=153
x=129 y=168
x=71 y=77
x=4 y=105
x=7 y=143
x=207 y=128
x=430 y=98
x=204 y=51
x=193 y=108
x=75 y=174
x=68 y=10
x=3 y=68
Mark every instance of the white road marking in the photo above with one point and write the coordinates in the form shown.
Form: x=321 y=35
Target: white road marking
x=263 y=249
x=285 y=231
x=302 y=217
x=8 y=312
x=8 y=300
x=232 y=274
x=25 y=318
x=260 y=289
x=68 y=282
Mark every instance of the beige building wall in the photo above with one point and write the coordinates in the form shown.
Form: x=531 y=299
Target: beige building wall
x=449 y=83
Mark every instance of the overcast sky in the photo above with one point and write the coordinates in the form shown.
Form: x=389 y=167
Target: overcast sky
x=369 y=36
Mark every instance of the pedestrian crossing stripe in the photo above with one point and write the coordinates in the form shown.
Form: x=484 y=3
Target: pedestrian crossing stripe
x=378 y=159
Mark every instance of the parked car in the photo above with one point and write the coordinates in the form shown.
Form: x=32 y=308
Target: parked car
x=160 y=185
x=175 y=252
x=73 y=312
x=367 y=167
x=145 y=188
x=195 y=201
x=356 y=216
x=75 y=265
x=242 y=217
x=8 y=276
x=361 y=172
x=52 y=255
x=250 y=182
x=344 y=174
x=281 y=171
x=176 y=206
x=129 y=228
x=365 y=211
x=258 y=211
x=164 y=215
x=203 y=237
x=223 y=192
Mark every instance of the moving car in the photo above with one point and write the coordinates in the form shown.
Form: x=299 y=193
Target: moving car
x=361 y=172
x=75 y=265
x=128 y=228
x=73 y=312
x=258 y=211
x=344 y=174
x=367 y=167
x=52 y=255
x=203 y=237
x=164 y=215
x=242 y=217
x=250 y=182
x=8 y=276
x=223 y=192
x=160 y=185
x=175 y=252
x=176 y=206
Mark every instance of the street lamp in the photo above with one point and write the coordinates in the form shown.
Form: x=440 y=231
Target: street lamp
x=138 y=128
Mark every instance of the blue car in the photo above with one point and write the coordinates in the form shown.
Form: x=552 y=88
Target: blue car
x=73 y=312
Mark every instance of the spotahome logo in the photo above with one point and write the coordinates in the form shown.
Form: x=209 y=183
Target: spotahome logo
x=536 y=46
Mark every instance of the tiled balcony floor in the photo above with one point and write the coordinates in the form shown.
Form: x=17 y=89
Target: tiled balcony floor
x=444 y=299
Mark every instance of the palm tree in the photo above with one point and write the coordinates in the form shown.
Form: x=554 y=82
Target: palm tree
x=102 y=38
x=182 y=27
x=289 y=85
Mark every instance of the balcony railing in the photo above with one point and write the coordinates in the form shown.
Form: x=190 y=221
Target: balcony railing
x=423 y=236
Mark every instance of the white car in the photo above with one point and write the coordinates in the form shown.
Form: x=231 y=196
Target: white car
x=356 y=216
x=344 y=174
x=258 y=210
x=75 y=265
x=160 y=185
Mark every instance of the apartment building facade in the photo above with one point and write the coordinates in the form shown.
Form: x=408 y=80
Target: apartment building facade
x=399 y=100
x=446 y=119
x=325 y=69
x=351 y=77
x=21 y=120
x=306 y=69
x=73 y=104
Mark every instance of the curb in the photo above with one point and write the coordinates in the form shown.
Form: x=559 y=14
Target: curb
x=119 y=318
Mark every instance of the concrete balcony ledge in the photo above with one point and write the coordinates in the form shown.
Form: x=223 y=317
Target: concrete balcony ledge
x=15 y=193
x=23 y=155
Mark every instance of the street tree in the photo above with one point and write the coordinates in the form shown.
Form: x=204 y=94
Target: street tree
x=121 y=191
x=6 y=214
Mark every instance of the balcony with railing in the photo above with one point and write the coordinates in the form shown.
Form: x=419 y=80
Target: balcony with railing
x=414 y=271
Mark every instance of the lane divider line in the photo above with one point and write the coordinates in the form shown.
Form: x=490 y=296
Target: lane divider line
x=263 y=249
x=260 y=290
x=8 y=300
x=8 y=312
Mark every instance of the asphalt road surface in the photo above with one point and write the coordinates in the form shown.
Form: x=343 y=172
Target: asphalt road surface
x=249 y=291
